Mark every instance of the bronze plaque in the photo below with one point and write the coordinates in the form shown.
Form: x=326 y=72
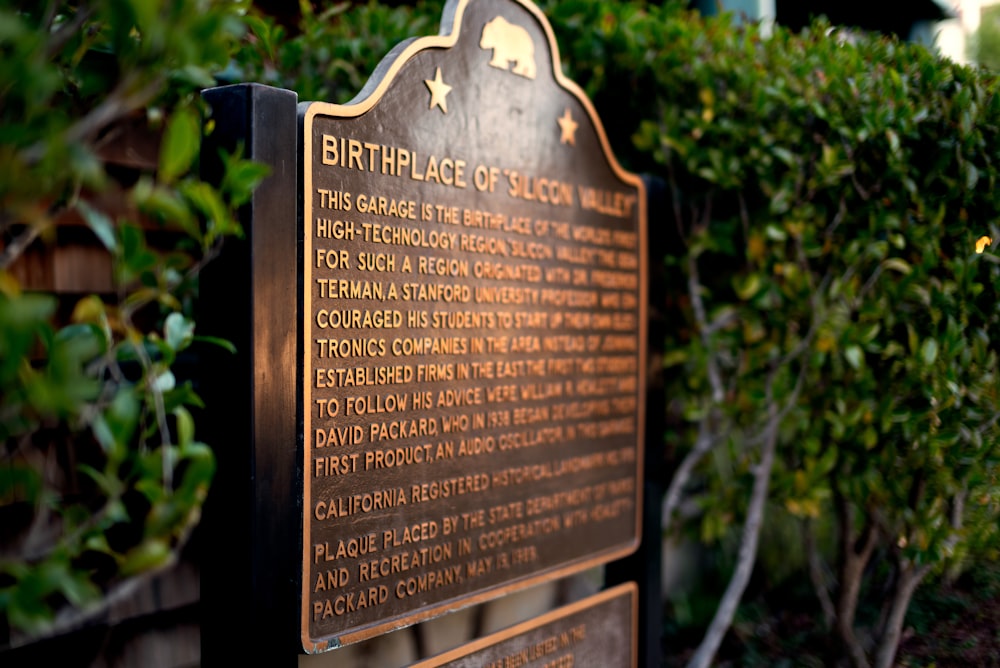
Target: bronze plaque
x=473 y=331
x=600 y=630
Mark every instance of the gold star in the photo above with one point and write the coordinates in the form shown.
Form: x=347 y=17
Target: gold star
x=439 y=90
x=568 y=127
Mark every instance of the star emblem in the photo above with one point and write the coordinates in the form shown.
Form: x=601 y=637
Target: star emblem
x=439 y=91
x=568 y=127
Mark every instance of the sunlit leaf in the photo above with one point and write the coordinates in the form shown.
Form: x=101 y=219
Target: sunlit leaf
x=178 y=331
x=854 y=356
x=929 y=351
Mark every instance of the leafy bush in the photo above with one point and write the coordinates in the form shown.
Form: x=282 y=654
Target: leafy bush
x=987 y=39
x=830 y=193
x=101 y=476
x=328 y=56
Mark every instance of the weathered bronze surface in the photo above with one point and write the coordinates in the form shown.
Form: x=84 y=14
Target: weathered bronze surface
x=474 y=305
x=597 y=631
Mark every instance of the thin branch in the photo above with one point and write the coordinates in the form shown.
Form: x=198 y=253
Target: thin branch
x=986 y=426
x=722 y=321
x=58 y=39
x=869 y=284
x=119 y=103
x=956 y=517
x=744 y=215
x=159 y=408
x=45 y=525
x=909 y=580
x=818 y=575
x=851 y=569
x=866 y=194
x=750 y=537
x=71 y=618
x=705 y=442
x=837 y=219
x=675 y=201
x=21 y=242
x=701 y=321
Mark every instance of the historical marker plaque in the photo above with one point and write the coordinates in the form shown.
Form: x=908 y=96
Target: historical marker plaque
x=599 y=631
x=473 y=331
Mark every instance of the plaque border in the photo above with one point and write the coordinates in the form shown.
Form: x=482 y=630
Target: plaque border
x=370 y=95
x=629 y=589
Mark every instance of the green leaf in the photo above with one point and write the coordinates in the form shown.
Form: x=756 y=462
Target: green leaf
x=185 y=426
x=775 y=233
x=19 y=483
x=929 y=351
x=165 y=381
x=747 y=286
x=178 y=331
x=897 y=264
x=149 y=556
x=78 y=589
x=209 y=202
x=100 y=223
x=198 y=472
x=165 y=205
x=216 y=341
x=854 y=356
x=110 y=485
x=27 y=607
x=181 y=141
x=241 y=178
x=893 y=138
x=673 y=357
x=115 y=426
x=182 y=395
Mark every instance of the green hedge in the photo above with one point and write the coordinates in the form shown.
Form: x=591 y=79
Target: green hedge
x=101 y=476
x=830 y=190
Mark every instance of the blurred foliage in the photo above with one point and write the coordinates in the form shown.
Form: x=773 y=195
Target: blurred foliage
x=332 y=51
x=987 y=39
x=830 y=192
x=101 y=476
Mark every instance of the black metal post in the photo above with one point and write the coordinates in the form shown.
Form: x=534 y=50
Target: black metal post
x=644 y=566
x=250 y=537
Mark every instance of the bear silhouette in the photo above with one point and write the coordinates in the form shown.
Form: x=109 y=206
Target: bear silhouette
x=511 y=44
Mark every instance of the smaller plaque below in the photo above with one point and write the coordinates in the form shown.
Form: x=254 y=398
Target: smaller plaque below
x=597 y=631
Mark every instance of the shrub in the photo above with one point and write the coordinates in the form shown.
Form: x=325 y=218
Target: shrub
x=101 y=476
x=830 y=192
x=831 y=349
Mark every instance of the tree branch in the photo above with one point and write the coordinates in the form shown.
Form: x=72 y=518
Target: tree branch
x=704 y=443
x=119 y=103
x=701 y=321
x=909 y=579
x=750 y=536
x=817 y=575
x=20 y=243
x=853 y=562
